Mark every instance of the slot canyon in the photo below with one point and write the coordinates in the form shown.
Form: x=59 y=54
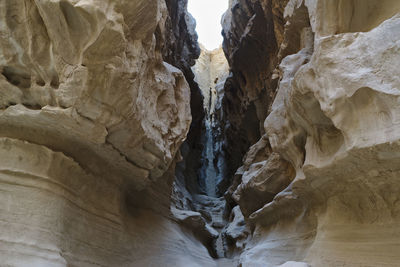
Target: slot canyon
x=126 y=142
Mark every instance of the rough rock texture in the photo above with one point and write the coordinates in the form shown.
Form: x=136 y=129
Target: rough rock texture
x=96 y=100
x=90 y=113
x=54 y=213
x=321 y=186
x=263 y=175
x=86 y=67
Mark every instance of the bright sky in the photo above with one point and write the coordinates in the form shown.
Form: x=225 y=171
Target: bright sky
x=208 y=15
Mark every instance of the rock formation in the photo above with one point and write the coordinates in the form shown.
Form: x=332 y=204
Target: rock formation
x=211 y=71
x=67 y=87
x=91 y=114
x=117 y=150
x=320 y=186
x=197 y=202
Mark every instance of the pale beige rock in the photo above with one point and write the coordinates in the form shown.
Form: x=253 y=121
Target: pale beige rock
x=211 y=71
x=89 y=114
x=264 y=176
x=54 y=213
x=335 y=119
x=294 y=264
x=93 y=63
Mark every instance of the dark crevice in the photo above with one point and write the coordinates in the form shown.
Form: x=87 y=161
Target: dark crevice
x=40 y=82
x=55 y=82
x=32 y=106
x=17 y=77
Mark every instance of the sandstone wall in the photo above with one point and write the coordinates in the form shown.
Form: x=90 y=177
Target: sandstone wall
x=97 y=97
x=321 y=185
x=91 y=113
x=76 y=78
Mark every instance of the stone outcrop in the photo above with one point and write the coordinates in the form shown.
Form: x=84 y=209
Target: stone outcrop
x=197 y=203
x=320 y=187
x=180 y=48
x=54 y=213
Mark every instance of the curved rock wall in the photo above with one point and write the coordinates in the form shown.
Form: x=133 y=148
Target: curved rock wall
x=54 y=213
x=96 y=100
x=91 y=113
x=320 y=187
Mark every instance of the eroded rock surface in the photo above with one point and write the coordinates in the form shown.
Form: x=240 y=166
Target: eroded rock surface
x=75 y=77
x=320 y=186
x=96 y=100
x=91 y=119
x=54 y=213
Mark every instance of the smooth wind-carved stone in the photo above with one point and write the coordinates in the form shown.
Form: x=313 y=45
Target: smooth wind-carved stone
x=335 y=120
x=90 y=113
x=63 y=62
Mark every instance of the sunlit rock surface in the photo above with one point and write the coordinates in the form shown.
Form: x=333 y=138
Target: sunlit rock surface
x=211 y=71
x=334 y=123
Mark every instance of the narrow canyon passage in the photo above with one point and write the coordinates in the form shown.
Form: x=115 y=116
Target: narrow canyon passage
x=268 y=140
x=209 y=180
x=127 y=140
x=211 y=71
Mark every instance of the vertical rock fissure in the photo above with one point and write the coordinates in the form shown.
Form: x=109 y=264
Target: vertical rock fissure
x=200 y=204
x=235 y=108
x=211 y=72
